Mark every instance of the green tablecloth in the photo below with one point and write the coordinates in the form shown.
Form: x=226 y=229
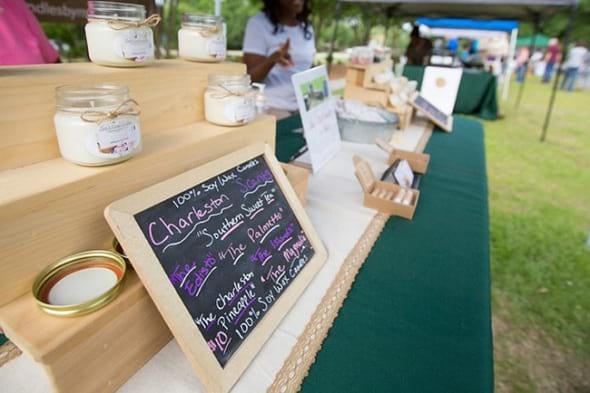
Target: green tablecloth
x=417 y=318
x=477 y=92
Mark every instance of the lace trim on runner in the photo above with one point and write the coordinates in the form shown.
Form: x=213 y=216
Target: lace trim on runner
x=296 y=367
x=8 y=351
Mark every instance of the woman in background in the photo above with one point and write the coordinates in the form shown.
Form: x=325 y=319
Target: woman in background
x=22 y=40
x=278 y=43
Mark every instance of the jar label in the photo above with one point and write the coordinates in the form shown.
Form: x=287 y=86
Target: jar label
x=135 y=44
x=217 y=47
x=240 y=112
x=114 y=138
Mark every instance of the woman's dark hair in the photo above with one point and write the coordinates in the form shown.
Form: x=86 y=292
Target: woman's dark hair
x=272 y=9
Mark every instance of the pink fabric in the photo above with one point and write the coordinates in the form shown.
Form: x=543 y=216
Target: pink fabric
x=22 y=40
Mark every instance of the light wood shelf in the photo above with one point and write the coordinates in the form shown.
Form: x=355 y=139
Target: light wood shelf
x=110 y=344
x=50 y=208
x=54 y=208
x=170 y=94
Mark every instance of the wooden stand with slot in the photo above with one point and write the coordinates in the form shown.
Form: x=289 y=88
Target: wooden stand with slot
x=435 y=115
x=418 y=161
x=51 y=208
x=385 y=197
x=405 y=114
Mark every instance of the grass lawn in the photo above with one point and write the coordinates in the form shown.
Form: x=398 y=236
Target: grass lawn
x=540 y=221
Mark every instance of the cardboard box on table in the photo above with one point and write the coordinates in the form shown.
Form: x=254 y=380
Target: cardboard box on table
x=51 y=208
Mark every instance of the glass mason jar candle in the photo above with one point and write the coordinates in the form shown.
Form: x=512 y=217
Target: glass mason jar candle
x=96 y=125
x=118 y=35
x=229 y=100
x=202 y=38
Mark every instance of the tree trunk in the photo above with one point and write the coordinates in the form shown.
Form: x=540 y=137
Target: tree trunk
x=171 y=24
x=318 y=25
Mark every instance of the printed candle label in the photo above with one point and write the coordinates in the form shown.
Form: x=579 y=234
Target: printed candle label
x=230 y=246
x=114 y=138
x=217 y=47
x=240 y=111
x=134 y=44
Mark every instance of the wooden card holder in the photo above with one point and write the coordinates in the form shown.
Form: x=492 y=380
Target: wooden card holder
x=50 y=208
x=298 y=177
x=435 y=115
x=418 y=161
x=383 y=196
x=405 y=114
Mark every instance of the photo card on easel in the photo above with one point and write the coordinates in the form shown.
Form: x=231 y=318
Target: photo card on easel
x=318 y=115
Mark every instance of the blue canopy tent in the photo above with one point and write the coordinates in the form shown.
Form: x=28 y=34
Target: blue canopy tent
x=534 y=11
x=470 y=25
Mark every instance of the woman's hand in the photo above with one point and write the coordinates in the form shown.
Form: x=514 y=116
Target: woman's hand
x=282 y=56
x=259 y=66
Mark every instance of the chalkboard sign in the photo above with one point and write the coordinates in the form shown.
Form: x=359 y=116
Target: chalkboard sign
x=224 y=250
x=433 y=113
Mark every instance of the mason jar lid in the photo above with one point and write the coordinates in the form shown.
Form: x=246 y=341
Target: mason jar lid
x=200 y=20
x=110 y=10
x=102 y=95
x=79 y=284
x=225 y=80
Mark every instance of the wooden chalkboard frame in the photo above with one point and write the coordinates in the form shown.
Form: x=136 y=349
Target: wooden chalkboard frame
x=120 y=216
x=448 y=127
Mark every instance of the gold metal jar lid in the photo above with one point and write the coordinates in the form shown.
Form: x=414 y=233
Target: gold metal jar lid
x=56 y=272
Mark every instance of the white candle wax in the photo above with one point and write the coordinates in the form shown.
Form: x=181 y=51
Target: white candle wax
x=132 y=47
x=94 y=144
x=230 y=110
x=82 y=286
x=193 y=45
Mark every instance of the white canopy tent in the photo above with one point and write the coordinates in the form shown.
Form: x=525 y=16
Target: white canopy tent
x=524 y=10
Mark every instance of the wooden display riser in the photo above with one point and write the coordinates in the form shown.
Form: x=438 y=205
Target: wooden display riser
x=169 y=92
x=94 y=353
x=50 y=208
x=54 y=208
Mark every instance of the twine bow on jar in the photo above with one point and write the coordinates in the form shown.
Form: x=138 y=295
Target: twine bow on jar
x=128 y=107
x=150 y=21
x=208 y=31
x=221 y=91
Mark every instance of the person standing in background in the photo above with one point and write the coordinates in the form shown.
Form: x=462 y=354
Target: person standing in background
x=552 y=57
x=22 y=40
x=585 y=73
x=419 y=48
x=575 y=60
x=278 y=43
